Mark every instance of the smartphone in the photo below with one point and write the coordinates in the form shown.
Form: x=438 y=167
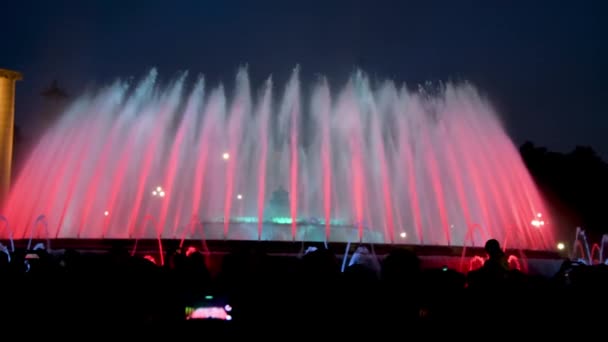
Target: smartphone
x=210 y=309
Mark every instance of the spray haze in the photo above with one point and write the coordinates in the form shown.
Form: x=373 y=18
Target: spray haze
x=357 y=163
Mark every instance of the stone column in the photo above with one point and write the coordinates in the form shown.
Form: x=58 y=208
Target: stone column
x=8 y=79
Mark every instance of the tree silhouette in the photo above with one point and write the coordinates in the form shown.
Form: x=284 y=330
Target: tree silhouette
x=56 y=99
x=575 y=184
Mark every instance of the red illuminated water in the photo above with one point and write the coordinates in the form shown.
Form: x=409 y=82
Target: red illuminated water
x=358 y=162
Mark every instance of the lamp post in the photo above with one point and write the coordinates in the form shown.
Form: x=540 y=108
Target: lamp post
x=538 y=221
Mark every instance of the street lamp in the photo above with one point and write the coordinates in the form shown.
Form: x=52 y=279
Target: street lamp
x=537 y=221
x=158 y=192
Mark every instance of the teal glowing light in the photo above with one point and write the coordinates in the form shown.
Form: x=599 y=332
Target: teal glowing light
x=282 y=220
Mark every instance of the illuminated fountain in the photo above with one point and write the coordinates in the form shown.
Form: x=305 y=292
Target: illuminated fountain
x=582 y=252
x=370 y=162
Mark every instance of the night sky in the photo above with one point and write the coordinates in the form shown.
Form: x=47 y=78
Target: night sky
x=543 y=64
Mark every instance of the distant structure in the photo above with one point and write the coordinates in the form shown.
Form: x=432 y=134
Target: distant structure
x=54 y=92
x=8 y=78
x=56 y=98
x=278 y=205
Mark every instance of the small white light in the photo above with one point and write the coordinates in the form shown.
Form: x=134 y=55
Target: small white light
x=106 y=213
x=239 y=196
x=561 y=246
x=161 y=194
x=226 y=155
x=159 y=189
x=228 y=318
x=403 y=235
x=154 y=193
x=228 y=308
x=539 y=215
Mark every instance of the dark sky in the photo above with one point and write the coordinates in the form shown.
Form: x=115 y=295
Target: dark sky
x=542 y=63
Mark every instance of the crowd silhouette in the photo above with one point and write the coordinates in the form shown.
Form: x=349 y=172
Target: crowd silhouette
x=314 y=289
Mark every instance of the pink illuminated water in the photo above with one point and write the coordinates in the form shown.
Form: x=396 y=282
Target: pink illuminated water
x=365 y=162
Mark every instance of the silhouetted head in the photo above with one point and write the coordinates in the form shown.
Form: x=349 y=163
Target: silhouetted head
x=493 y=247
x=321 y=262
x=4 y=260
x=400 y=264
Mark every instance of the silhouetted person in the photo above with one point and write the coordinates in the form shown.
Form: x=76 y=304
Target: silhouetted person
x=401 y=287
x=401 y=267
x=497 y=260
x=494 y=271
x=4 y=260
x=489 y=288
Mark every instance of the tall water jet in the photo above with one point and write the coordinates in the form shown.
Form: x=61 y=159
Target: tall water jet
x=321 y=102
x=262 y=121
x=237 y=118
x=381 y=164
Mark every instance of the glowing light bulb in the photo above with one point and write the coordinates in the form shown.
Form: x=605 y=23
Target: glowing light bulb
x=159 y=189
x=154 y=193
x=561 y=246
x=161 y=194
x=539 y=215
x=403 y=235
x=239 y=196
x=226 y=156
x=106 y=213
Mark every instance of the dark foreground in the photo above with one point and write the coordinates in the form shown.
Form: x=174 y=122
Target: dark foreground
x=309 y=293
